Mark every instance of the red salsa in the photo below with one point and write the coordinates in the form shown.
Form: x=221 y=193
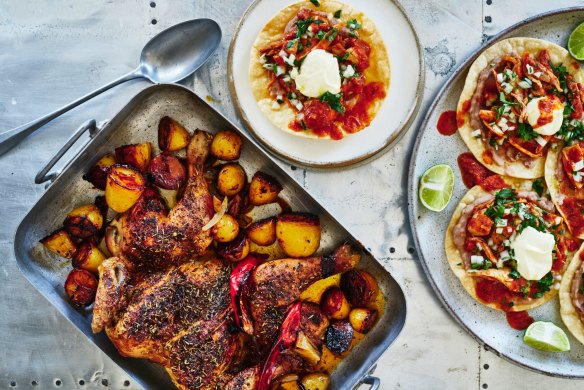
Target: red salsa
x=519 y=320
x=472 y=171
x=447 y=123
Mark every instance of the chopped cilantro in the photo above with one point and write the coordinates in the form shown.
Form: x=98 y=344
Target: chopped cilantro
x=315 y=2
x=525 y=289
x=493 y=142
x=537 y=186
x=344 y=58
x=353 y=24
x=320 y=34
x=511 y=304
x=514 y=274
x=545 y=283
x=561 y=72
x=495 y=211
x=302 y=25
x=332 y=35
x=505 y=193
x=582 y=211
x=526 y=132
x=303 y=125
x=337 y=14
x=291 y=43
x=333 y=100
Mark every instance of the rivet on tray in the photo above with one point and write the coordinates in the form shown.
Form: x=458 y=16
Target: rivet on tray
x=81 y=382
x=152 y=4
x=58 y=382
x=392 y=250
x=486 y=366
x=411 y=250
x=12 y=383
x=488 y=19
x=34 y=383
x=154 y=21
x=105 y=382
x=126 y=383
x=485 y=385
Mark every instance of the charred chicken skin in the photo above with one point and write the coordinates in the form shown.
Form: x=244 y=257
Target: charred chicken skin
x=178 y=318
x=151 y=237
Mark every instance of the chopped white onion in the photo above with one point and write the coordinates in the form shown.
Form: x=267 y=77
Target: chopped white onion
x=578 y=166
x=476 y=133
x=540 y=140
x=263 y=59
x=500 y=77
x=475 y=259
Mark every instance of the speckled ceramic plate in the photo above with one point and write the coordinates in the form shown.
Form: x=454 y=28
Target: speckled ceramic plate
x=398 y=109
x=487 y=326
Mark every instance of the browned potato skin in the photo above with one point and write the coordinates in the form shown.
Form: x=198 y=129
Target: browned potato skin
x=316 y=381
x=60 y=243
x=135 y=155
x=88 y=257
x=97 y=174
x=172 y=136
x=362 y=319
x=231 y=179
x=236 y=249
x=226 y=229
x=167 y=172
x=359 y=287
x=80 y=287
x=334 y=304
x=124 y=187
x=263 y=189
x=84 y=221
x=263 y=232
x=298 y=234
x=226 y=145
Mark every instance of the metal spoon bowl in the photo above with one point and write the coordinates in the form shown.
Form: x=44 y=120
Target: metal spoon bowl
x=170 y=56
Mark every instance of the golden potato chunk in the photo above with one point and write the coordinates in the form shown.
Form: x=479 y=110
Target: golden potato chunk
x=172 y=136
x=359 y=287
x=334 y=304
x=124 y=187
x=316 y=381
x=231 y=179
x=263 y=189
x=88 y=257
x=226 y=145
x=306 y=349
x=60 y=243
x=263 y=232
x=84 y=221
x=136 y=155
x=80 y=287
x=298 y=234
x=362 y=319
x=226 y=229
x=97 y=174
x=236 y=249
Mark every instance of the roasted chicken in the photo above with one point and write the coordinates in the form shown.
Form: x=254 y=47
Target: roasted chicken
x=153 y=238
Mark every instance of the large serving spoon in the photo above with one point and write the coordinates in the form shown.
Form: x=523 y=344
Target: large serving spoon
x=170 y=56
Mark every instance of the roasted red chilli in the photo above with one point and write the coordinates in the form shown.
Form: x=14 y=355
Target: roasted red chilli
x=329 y=114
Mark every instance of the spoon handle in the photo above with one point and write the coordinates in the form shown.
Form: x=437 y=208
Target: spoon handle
x=10 y=138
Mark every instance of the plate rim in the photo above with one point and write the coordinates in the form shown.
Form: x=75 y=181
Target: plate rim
x=413 y=199
x=350 y=163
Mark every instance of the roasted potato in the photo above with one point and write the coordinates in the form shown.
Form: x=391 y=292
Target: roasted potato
x=236 y=249
x=334 y=304
x=226 y=145
x=316 y=381
x=84 y=221
x=231 y=179
x=226 y=229
x=60 y=243
x=287 y=382
x=172 y=135
x=88 y=257
x=80 y=287
x=306 y=349
x=298 y=234
x=167 y=172
x=263 y=189
x=97 y=174
x=359 y=287
x=124 y=187
x=263 y=232
x=338 y=336
x=136 y=155
x=362 y=319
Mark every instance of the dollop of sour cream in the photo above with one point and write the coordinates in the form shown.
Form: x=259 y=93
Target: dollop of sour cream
x=318 y=74
x=545 y=114
x=533 y=252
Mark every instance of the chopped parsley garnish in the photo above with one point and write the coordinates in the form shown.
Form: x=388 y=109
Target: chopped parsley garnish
x=332 y=35
x=526 y=132
x=337 y=14
x=353 y=24
x=537 y=186
x=334 y=101
x=514 y=274
x=315 y=2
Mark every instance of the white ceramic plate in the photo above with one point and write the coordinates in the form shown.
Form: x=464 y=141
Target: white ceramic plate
x=394 y=117
x=487 y=326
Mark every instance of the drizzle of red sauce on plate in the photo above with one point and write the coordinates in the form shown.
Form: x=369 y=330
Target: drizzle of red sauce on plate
x=447 y=123
x=472 y=171
x=519 y=320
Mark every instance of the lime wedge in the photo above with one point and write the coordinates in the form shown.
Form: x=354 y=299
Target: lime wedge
x=576 y=42
x=436 y=187
x=547 y=337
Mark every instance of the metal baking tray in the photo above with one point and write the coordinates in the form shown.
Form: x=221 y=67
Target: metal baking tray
x=138 y=122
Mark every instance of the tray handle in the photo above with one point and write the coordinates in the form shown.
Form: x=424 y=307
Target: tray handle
x=43 y=175
x=373 y=382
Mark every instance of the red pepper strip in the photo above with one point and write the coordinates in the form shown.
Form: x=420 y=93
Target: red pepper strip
x=287 y=337
x=239 y=277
